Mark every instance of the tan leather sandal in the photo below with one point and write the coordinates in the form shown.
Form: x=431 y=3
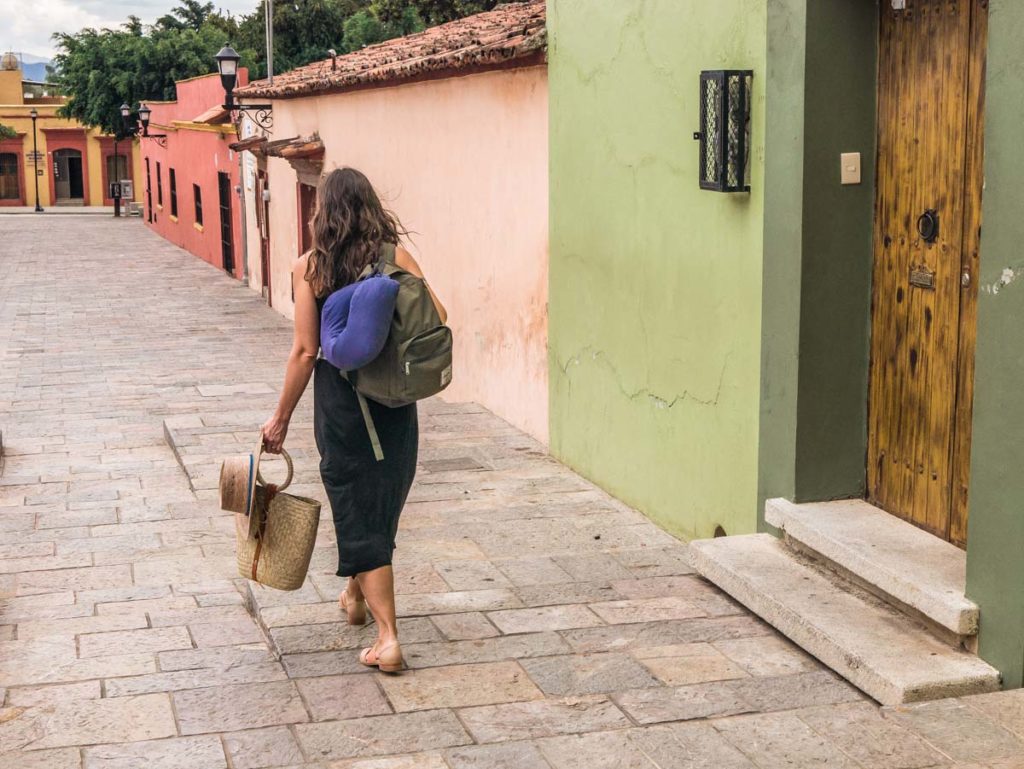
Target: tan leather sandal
x=388 y=659
x=356 y=610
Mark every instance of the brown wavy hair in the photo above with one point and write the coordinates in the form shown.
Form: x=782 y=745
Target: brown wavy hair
x=349 y=226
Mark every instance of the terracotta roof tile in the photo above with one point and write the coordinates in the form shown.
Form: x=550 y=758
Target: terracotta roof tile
x=495 y=38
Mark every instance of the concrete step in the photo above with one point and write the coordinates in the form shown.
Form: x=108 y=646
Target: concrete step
x=873 y=645
x=892 y=558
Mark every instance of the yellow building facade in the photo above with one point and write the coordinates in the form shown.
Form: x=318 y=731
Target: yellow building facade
x=73 y=164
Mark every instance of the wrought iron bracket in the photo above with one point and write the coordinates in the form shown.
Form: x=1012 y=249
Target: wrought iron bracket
x=261 y=114
x=160 y=139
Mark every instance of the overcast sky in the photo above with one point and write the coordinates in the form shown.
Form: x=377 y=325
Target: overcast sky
x=28 y=24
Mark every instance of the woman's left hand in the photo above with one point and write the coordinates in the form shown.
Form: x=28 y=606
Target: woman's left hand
x=275 y=430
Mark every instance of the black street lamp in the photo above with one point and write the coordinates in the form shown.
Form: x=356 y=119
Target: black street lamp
x=34 y=113
x=227 y=65
x=115 y=185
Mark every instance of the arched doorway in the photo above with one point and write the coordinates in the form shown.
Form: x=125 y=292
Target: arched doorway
x=67 y=177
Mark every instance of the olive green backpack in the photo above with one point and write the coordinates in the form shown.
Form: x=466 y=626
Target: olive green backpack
x=416 y=361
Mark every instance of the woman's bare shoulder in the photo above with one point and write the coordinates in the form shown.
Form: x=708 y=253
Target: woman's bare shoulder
x=301 y=265
x=407 y=262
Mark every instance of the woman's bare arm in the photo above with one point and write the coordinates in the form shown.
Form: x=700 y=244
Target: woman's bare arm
x=406 y=261
x=301 y=361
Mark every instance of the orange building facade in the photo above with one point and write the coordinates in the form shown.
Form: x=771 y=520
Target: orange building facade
x=74 y=165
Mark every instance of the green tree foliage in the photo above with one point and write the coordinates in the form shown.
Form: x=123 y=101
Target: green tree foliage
x=191 y=14
x=6 y=132
x=99 y=70
x=433 y=11
x=366 y=28
x=305 y=30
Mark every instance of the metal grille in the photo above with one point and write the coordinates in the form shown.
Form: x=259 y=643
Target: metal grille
x=739 y=117
x=725 y=130
x=735 y=123
x=710 y=105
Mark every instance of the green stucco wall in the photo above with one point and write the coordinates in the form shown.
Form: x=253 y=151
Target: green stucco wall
x=837 y=250
x=783 y=249
x=821 y=64
x=995 y=538
x=655 y=285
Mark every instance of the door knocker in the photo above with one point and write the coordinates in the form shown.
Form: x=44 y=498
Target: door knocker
x=928 y=225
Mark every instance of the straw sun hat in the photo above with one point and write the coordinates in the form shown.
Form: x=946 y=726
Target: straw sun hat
x=238 y=476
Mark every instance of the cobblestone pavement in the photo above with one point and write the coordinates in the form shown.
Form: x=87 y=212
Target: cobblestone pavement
x=546 y=625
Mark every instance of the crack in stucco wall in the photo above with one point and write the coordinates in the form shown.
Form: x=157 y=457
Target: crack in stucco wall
x=658 y=401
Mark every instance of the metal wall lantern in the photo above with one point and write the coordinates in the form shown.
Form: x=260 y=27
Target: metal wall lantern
x=227 y=65
x=724 y=133
x=144 y=113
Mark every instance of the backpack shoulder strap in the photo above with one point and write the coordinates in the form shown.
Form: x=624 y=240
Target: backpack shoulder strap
x=387 y=253
x=371 y=428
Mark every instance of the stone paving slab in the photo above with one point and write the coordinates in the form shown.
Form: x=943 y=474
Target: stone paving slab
x=545 y=624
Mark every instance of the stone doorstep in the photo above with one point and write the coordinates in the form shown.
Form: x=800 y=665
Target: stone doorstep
x=892 y=558
x=871 y=644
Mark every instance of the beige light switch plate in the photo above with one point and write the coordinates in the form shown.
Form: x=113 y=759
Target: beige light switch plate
x=850 y=163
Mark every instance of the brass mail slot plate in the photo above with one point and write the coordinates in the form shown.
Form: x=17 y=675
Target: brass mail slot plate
x=922 y=277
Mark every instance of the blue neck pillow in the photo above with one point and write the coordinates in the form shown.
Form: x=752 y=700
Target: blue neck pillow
x=356 y=320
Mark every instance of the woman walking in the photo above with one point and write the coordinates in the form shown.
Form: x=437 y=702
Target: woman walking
x=351 y=229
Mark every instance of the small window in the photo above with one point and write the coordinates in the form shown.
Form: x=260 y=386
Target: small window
x=9 y=189
x=174 y=193
x=198 y=194
x=159 y=186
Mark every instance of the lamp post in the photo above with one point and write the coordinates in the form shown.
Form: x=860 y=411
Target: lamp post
x=35 y=157
x=115 y=185
x=227 y=65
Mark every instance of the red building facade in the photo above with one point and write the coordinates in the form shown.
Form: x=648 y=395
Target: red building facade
x=191 y=178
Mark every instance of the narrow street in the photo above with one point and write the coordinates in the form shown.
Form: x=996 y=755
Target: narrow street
x=546 y=625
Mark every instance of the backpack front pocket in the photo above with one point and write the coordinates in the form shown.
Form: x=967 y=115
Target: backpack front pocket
x=426 y=362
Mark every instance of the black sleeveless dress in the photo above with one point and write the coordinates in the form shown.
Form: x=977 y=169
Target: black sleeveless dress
x=366 y=496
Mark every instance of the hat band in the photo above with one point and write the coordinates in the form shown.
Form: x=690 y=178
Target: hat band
x=248 y=487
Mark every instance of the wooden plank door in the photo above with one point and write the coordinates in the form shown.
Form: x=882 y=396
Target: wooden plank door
x=227 y=241
x=931 y=62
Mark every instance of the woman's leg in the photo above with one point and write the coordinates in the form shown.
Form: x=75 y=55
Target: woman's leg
x=355 y=593
x=352 y=602
x=378 y=586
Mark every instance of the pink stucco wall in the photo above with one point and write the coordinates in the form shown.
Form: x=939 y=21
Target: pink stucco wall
x=464 y=163
x=197 y=152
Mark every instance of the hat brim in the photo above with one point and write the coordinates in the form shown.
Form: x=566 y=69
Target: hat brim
x=251 y=507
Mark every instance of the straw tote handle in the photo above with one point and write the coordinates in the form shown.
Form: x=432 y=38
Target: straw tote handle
x=288 y=478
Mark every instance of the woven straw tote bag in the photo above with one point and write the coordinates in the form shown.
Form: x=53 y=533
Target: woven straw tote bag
x=278 y=554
